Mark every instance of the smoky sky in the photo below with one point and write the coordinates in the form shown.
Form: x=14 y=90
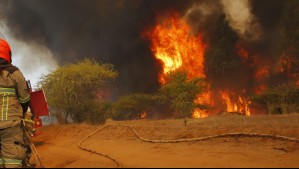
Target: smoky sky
x=110 y=30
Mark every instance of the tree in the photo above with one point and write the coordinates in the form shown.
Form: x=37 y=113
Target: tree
x=182 y=92
x=133 y=106
x=73 y=90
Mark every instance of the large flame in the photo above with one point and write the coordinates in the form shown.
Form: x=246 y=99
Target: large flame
x=177 y=48
x=174 y=44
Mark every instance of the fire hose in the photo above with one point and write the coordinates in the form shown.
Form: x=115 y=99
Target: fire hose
x=181 y=140
x=101 y=154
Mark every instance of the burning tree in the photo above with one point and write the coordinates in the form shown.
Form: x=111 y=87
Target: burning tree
x=178 y=49
x=181 y=93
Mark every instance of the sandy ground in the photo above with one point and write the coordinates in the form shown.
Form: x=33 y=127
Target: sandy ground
x=58 y=144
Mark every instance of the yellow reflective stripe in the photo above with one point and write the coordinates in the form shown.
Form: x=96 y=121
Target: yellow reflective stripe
x=25 y=99
x=12 y=161
x=3 y=107
x=5 y=103
x=7 y=90
x=6 y=107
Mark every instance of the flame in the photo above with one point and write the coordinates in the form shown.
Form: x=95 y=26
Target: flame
x=142 y=115
x=243 y=53
x=241 y=105
x=260 y=89
x=174 y=45
x=262 y=73
x=204 y=98
x=198 y=113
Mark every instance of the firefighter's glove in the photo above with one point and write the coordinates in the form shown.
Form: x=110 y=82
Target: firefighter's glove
x=29 y=126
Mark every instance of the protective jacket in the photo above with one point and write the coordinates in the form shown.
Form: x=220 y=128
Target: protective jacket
x=14 y=98
x=14 y=93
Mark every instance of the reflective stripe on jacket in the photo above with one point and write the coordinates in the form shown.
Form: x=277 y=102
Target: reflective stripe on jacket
x=8 y=97
x=13 y=92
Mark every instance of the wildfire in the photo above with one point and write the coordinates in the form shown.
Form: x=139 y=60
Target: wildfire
x=142 y=115
x=260 y=89
x=174 y=45
x=204 y=98
x=262 y=72
x=198 y=113
x=243 y=53
x=241 y=105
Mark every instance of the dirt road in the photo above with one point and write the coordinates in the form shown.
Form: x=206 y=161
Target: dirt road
x=58 y=144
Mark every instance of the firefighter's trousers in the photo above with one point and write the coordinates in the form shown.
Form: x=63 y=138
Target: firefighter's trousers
x=12 y=147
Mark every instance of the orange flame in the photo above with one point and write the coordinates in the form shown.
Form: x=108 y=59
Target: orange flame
x=260 y=89
x=174 y=45
x=204 y=98
x=262 y=72
x=241 y=105
x=198 y=113
x=243 y=53
x=142 y=115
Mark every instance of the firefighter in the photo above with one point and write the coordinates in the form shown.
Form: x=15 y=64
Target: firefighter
x=14 y=101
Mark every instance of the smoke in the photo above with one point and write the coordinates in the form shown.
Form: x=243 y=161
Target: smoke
x=110 y=30
x=241 y=19
x=202 y=16
x=106 y=30
x=33 y=60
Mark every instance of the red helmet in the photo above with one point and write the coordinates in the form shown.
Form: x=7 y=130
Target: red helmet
x=5 y=51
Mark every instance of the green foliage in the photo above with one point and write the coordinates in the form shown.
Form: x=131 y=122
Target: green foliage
x=182 y=92
x=98 y=112
x=92 y=111
x=73 y=89
x=280 y=100
x=131 y=106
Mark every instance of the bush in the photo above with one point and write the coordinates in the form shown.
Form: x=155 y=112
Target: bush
x=281 y=99
x=132 y=106
x=71 y=90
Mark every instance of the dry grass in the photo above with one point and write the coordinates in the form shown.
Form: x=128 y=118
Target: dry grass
x=286 y=125
x=120 y=142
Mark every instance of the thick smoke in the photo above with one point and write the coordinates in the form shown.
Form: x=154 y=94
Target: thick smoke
x=107 y=30
x=110 y=30
x=244 y=23
x=259 y=30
